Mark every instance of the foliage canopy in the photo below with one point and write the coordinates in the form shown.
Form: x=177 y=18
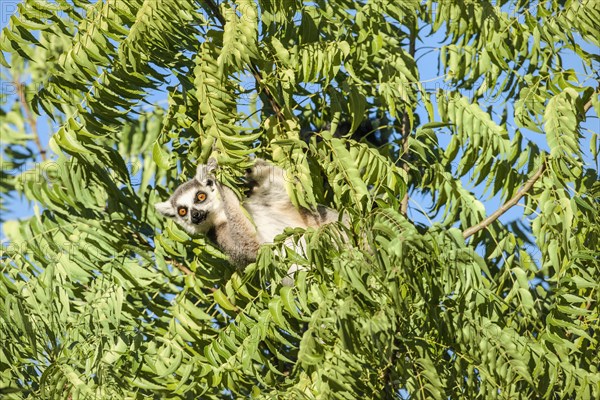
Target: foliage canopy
x=102 y=298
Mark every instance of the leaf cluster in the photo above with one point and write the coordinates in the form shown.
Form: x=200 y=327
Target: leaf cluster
x=102 y=298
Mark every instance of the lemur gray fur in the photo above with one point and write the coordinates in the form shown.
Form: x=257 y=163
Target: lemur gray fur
x=205 y=206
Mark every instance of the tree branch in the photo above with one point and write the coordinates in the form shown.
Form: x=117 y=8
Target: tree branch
x=406 y=128
x=31 y=121
x=522 y=192
x=588 y=105
x=506 y=206
x=179 y=266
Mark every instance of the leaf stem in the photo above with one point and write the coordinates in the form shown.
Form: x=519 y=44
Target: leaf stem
x=31 y=121
x=406 y=128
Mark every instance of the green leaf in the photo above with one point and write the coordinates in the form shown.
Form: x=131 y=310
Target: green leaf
x=160 y=157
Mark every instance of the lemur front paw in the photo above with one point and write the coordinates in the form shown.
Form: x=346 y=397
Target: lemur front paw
x=257 y=170
x=257 y=174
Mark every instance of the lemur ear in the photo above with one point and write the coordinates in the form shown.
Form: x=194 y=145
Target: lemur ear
x=211 y=164
x=205 y=172
x=165 y=208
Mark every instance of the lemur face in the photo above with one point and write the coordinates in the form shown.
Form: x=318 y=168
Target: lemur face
x=195 y=205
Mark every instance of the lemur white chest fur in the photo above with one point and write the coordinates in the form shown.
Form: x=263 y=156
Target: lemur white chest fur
x=204 y=206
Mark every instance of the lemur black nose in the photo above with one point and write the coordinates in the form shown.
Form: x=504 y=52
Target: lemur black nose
x=198 y=216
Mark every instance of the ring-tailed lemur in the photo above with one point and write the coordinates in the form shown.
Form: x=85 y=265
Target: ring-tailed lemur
x=205 y=206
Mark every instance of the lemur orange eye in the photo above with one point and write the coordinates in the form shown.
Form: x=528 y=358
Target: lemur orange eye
x=201 y=196
x=182 y=212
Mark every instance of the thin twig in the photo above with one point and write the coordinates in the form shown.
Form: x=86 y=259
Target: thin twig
x=506 y=206
x=274 y=105
x=31 y=121
x=179 y=266
x=406 y=129
x=253 y=68
x=588 y=105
